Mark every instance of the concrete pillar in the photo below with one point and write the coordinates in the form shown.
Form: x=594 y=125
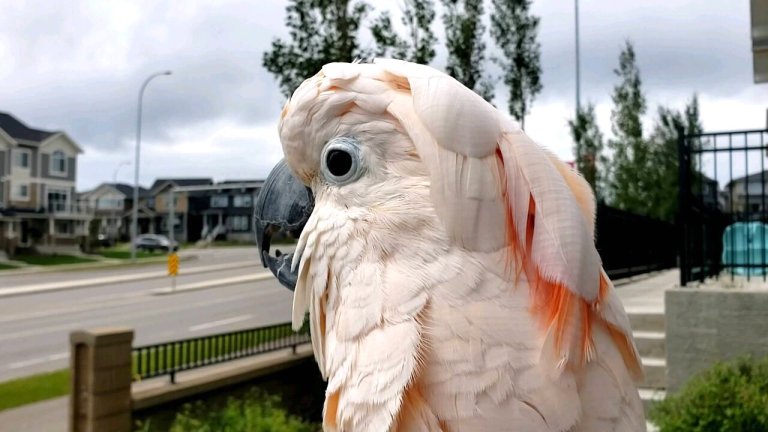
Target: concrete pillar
x=100 y=397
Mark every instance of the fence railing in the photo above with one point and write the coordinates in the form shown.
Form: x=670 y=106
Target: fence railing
x=632 y=244
x=172 y=357
x=723 y=181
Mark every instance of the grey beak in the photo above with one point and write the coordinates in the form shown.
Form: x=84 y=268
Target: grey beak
x=284 y=203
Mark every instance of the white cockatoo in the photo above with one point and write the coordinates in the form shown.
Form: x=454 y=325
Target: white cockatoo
x=447 y=262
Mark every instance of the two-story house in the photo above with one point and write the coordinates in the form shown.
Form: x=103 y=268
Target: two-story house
x=748 y=195
x=219 y=211
x=188 y=222
x=38 y=172
x=112 y=204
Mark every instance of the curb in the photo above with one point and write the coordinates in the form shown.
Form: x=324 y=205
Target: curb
x=100 y=264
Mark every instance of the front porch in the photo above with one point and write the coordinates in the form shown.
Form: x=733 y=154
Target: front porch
x=49 y=233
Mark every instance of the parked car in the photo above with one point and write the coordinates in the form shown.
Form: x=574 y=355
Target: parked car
x=153 y=242
x=104 y=240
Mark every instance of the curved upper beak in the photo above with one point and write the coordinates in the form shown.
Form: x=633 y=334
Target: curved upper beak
x=283 y=203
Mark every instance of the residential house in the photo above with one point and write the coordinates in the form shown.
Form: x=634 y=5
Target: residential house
x=226 y=208
x=38 y=203
x=748 y=195
x=112 y=204
x=188 y=219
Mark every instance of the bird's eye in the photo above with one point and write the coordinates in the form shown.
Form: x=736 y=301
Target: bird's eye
x=340 y=163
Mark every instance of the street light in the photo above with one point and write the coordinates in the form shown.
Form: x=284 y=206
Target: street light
x=578 y=72
x=113 y=223
x=135 y=209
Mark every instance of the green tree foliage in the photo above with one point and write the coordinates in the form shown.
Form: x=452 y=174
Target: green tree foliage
x=514 y=30
x=419 y=45
x=254 y=412
x=321 y=31
x=588 y=148
x=629 y=184
x=663 y=166
x=730 y=396
x=464 y=31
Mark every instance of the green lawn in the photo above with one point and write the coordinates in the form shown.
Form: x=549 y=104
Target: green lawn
x=46 y=260
x=7 y=266
x=34 y=388
x=126 y=254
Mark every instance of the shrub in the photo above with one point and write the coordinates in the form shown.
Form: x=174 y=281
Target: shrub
x=255 y=412
x=731 y=396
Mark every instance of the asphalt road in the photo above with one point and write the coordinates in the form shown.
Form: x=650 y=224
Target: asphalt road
x=34 y=328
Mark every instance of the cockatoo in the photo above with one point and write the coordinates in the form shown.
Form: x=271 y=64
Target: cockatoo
x=447 y=262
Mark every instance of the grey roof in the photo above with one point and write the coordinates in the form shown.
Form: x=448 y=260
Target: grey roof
x=752 y=178
x=240 y=181
x=127 y=189
x=182 y=182
x=18 y=130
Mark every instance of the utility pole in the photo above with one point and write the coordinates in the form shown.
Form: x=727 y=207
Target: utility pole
x=578 y=71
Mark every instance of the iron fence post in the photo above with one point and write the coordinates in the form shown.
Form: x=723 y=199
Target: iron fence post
x=683 y=203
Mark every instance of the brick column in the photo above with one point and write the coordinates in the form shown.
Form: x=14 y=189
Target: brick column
x=100 y=397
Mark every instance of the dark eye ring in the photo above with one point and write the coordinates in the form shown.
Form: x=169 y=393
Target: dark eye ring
x=341 y=161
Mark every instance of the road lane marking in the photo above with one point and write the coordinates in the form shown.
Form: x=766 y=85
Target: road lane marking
x=164 y=311
x=83 y=283
x=138 y=297
x=37 y=361
x=220 y=323
x=214 y=283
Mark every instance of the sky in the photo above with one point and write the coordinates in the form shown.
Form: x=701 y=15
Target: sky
x=77 y=66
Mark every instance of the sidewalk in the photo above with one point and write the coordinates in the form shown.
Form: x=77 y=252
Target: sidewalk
x=645 y=293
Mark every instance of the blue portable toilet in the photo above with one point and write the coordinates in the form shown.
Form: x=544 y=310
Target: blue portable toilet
x=746 y=243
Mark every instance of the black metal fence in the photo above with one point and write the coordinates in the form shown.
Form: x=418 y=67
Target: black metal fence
x=631 y=244
x=172 y=357
x=722 y=204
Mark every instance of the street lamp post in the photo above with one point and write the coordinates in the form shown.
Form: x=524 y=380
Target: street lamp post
x=578 y=72
x=114 y=226
x=135 y=209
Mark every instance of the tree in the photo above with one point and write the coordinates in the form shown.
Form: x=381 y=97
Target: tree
x=663 y=169
x=514 y=30
x=629 y=184
x=588 y=147
x=464 y=31
x=419 y=46
x=321 y=31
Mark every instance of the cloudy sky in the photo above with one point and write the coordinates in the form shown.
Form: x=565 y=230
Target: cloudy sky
x=77 y=66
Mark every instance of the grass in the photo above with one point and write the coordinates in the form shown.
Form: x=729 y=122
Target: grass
x=126 y=254
x=4 y=266
x=48 y=260
x=34 y=388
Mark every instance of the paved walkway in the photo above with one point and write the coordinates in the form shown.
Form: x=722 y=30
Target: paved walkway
x=645 y=293
x=639 y=294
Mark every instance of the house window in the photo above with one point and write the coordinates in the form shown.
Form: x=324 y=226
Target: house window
x=238 y=223
x=151 y=203
x=219 y=201
x=57 y=200
x=21 y=191
x=108 y=203
x=243 y=200
x=21 y=158
x=64 y=227
x=58 y=162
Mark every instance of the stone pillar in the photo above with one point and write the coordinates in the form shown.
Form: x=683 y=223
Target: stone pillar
x=100 y=398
